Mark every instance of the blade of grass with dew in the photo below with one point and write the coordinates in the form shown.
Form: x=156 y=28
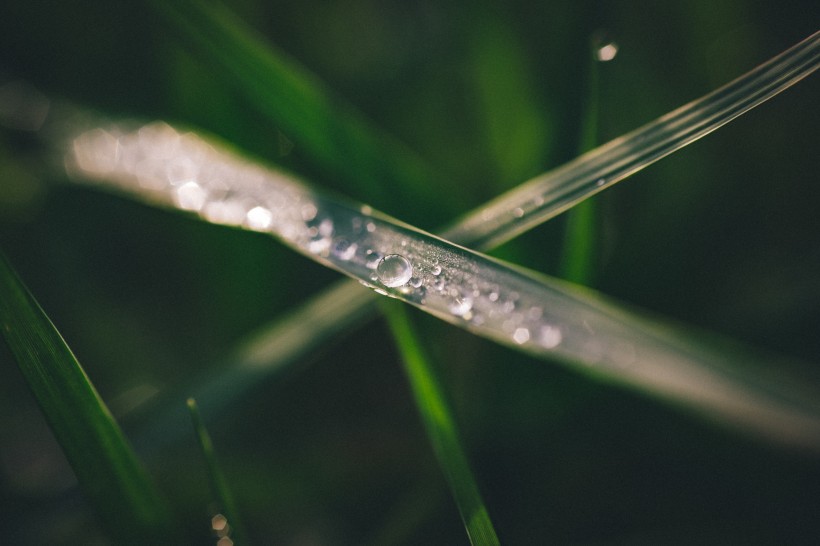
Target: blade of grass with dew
x=550 y=194
x=577 y=262
x=539 y=315
x=441 y=427
x=218 y=481
x=331 y=131
x=114 y=482
x=484 y=228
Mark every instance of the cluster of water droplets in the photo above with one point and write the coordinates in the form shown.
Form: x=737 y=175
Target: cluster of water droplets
x=184 y=171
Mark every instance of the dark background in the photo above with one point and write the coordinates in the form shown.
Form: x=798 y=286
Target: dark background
x=722 y=235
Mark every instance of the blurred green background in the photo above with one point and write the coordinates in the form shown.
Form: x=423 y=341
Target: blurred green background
x=723 y=235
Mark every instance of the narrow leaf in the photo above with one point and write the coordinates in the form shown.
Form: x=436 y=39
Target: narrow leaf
x=441 y=428
x=112 y=478
x=510 y=305
x=218 y=481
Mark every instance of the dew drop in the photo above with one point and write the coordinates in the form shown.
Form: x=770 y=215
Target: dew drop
x=550 y=336
x=606 y=51
x=394 y=270
x=518 y=212
x=259 y=218
x=436 y=270
x=344 y=249
x=521 y=336
x=308 y=212
x=370 y=227
x=460 y=305
x=415 y=282
x=600 y=182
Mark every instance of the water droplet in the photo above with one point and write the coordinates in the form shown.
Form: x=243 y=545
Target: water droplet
x=493 y=296
x=436 y=270
x=518 y=212
x=367 y=210
x=326 y=227
x=372 y=259
x=394 y=270
x=259 y=218
x=191 y=196
x=521 y=336
x=550 y=336
x=415 y=282
x=370 y=227
x=460 y=305
x=605 y=52
x=344 y=249
x=308 y=212
x=600 y=182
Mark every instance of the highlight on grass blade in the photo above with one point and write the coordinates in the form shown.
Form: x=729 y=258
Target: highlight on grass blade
x=441 y=428
x=113 y=480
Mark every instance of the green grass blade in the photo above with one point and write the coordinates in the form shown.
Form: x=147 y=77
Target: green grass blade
x=441 y=428
x=578 y=260
x=509 y=305
x=328 y=129
x=127 y=502
x=218 y=481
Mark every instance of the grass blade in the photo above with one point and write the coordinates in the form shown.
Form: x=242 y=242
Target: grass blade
x=517 y=308
x=217 y=477
x=577 y=262
x=112 y=478
x=441 y=428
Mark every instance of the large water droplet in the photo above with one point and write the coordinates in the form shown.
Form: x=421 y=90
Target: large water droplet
x=394 y=270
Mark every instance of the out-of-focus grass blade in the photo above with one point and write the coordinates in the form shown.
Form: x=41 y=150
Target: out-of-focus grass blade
x=578 y=260
x=441 y=427
x=327 y=128
x=128 y=503
x=218 y=481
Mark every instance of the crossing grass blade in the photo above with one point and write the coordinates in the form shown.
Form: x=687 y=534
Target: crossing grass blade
x=441 y=427
x=114 y=482
x=218 y=481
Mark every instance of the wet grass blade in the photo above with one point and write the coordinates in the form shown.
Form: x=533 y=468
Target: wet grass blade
x=441 y=427
x=217 y=477
x=512 y=306
x=114 y=482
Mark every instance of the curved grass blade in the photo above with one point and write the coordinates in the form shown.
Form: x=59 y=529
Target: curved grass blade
x=329 y=129
x=550 y=194
x=217 y=477
x=108 y=471
x=517 y=308
x=441 y=428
